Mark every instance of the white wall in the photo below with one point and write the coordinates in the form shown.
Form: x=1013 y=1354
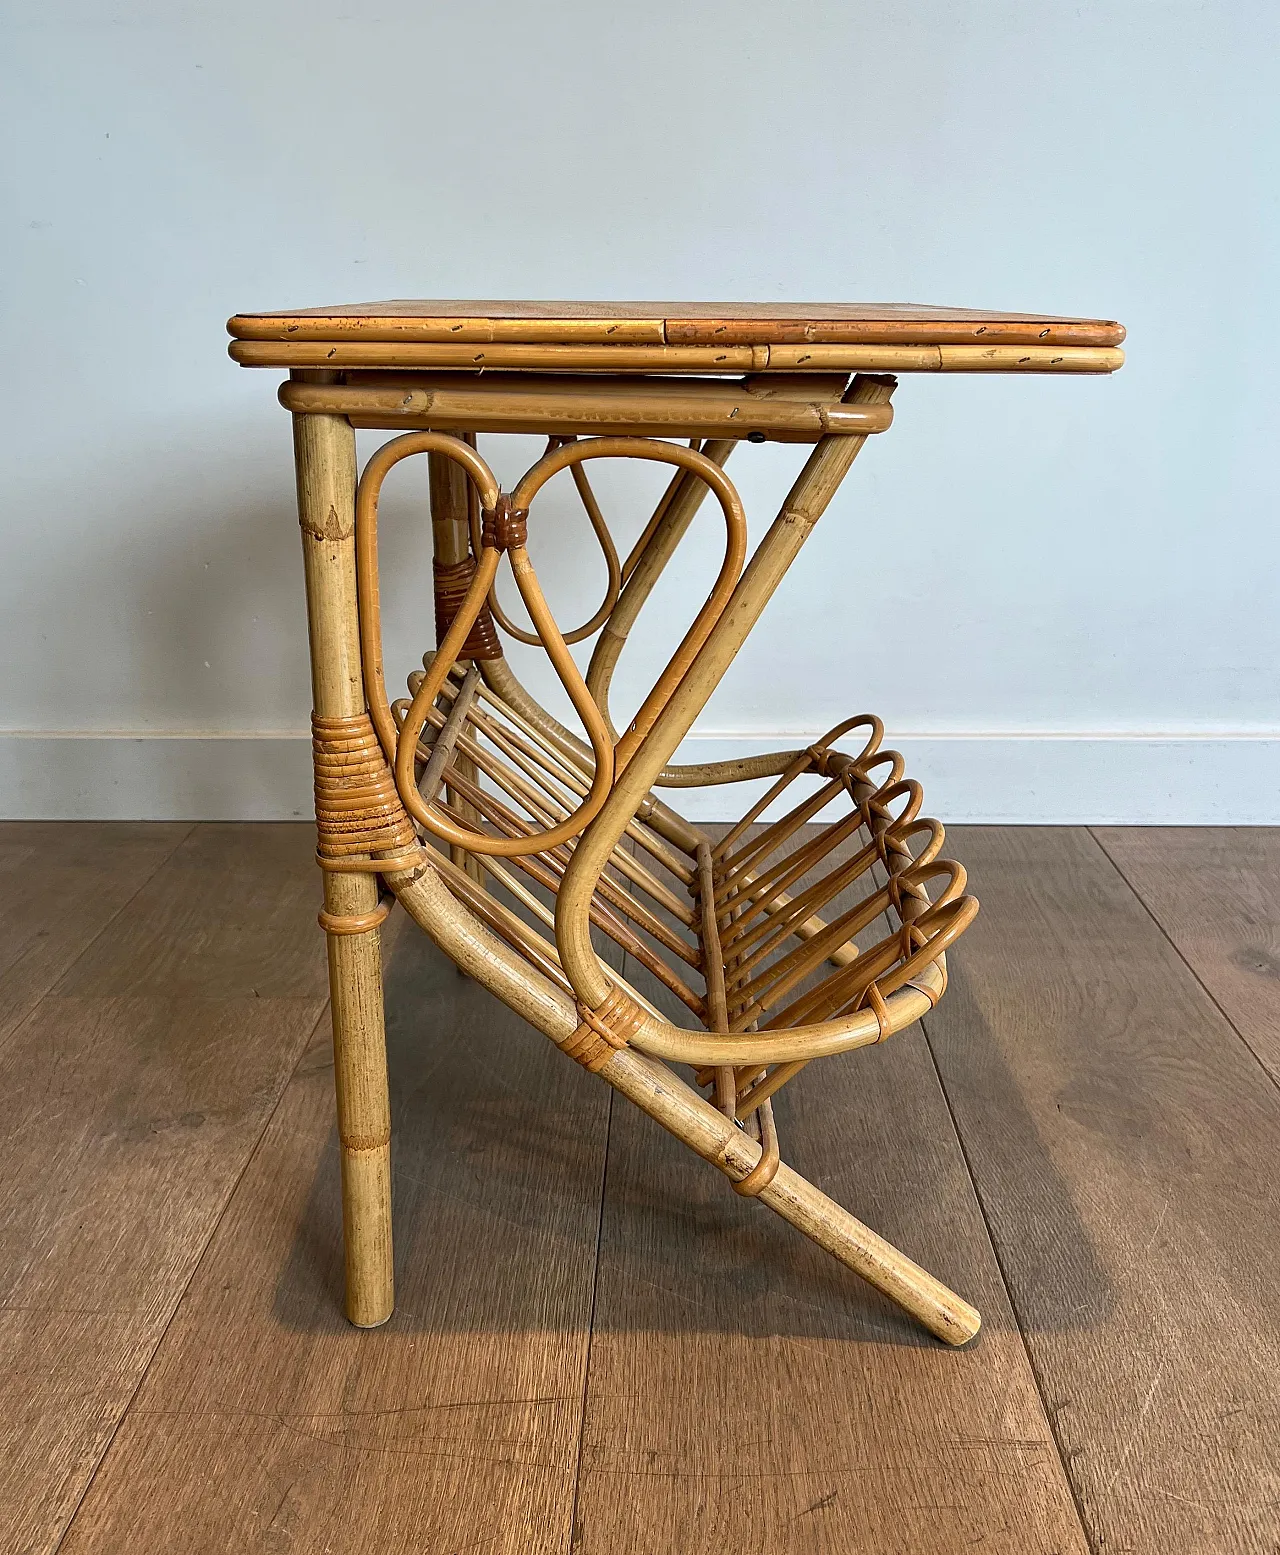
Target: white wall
x=1092 y=560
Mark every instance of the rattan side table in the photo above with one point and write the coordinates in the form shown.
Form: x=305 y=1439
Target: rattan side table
x=508 y=837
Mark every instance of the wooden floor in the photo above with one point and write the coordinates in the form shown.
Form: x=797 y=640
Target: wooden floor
x=598 y=1347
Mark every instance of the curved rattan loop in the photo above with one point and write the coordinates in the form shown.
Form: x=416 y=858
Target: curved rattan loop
x=858 y=721
x=370 y=605
x=401 y=744
x=610 y=552
x=429 y=815
x=895 y=961
x=731 y=569
x=898 y=840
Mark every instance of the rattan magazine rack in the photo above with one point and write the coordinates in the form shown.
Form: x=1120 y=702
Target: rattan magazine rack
x=818 y=923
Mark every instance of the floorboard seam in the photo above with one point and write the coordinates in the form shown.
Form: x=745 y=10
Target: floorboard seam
x=1050 y=1419
x=1173 y=945
x=107 y=922
x=574 y=1540
x=195 y=1266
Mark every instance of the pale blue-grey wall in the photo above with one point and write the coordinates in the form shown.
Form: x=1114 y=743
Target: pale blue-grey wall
x=1071 y=605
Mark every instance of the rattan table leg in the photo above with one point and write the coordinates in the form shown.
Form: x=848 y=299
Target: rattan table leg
x=364 y=1114
x=452 y=543
x=326 y=470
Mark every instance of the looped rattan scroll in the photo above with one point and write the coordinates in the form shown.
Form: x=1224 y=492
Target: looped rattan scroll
x=506 y=527
x=610 y=552
x=571 y=455
x=367 y=586
x=780 y=1006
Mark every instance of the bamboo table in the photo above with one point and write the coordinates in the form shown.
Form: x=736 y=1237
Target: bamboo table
x=507 y=836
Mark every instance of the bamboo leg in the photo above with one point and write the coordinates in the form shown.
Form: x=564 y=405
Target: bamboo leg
x=449 y=531
x=326 y=468
x=364 y=1113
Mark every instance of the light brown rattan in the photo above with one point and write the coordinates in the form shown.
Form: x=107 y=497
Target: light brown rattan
x=818 y=923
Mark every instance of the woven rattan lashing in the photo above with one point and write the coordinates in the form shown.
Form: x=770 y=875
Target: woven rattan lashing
x=361 y=824
x=357 y=923
x=452 y=581
x=604 y=1030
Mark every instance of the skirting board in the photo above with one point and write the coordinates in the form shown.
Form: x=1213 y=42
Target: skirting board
x=1044 y=779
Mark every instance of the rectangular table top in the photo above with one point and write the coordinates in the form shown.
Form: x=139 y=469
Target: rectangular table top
x=673 y=323
x=673 y=337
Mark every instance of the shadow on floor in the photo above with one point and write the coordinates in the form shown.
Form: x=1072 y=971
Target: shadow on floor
x=499 y=1166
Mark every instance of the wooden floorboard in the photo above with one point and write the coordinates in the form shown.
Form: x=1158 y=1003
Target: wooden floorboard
x=133 y=1100
x=1124 y=1143
x=267 y=1423
x=747 y=1392
x=743 y=1390
x=232 y=914
x=1215 y=891
x=61 y=883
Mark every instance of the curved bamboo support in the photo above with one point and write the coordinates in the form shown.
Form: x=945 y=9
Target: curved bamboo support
x=825 y=468
x=366 y=527
x=401 y=745
x=425 y=696
x=452 y=495
x=710 y=474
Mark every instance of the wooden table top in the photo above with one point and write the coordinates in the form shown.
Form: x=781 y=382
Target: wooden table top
x=712 y=337
x=673 y=323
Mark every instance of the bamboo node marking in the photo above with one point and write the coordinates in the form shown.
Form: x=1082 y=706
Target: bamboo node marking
x=358 y=1143
x=604 y=1031
x=330 y=528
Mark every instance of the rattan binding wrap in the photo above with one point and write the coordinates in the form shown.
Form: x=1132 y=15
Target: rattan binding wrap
x=604 y=1031
x=361 y=823
x=452 y=580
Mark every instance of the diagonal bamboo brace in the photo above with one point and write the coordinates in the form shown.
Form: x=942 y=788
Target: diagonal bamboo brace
x=687 y=1115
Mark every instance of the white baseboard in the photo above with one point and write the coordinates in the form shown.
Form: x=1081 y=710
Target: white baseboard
x=1065 y=779
x=149 y=777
